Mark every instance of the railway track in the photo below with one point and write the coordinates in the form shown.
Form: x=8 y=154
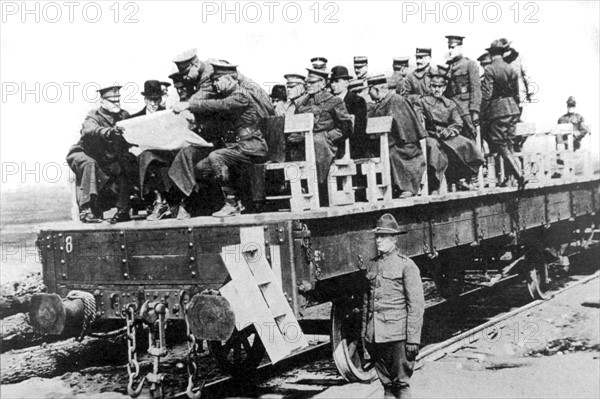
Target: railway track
x=448 y=327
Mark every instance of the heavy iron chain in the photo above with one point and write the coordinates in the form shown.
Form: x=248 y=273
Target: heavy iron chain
x=157 y=349
x=192 y=364
x=308 y=252
x=133 y=366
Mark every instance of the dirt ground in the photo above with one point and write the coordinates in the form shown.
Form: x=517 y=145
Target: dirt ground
x=549 y=351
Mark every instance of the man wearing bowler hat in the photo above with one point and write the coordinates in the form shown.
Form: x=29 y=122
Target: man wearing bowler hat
x=153 y=96
x=500 y=109
x=464 y=86
x=356 y=105
x=332 y=125
x=105 y=170
x=416 y=84
x=394 y=308
x=406 y=156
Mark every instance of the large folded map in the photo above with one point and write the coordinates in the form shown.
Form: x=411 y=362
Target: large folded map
x=162 y=130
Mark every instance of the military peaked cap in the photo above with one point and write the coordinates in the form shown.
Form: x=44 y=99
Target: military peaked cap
x=376 y=80
x=421 y=52
x=400 y=61
x=317 y=74
x=455 y=39
x=360 y=60
x=571 y=101
x=109 y=91
x=222 y=68
x=319 y=62
x=356 y=85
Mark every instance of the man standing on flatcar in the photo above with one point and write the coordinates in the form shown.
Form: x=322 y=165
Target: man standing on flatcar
x=500 y=108
x=465 y=86
x=406 y=156
x=395 y=306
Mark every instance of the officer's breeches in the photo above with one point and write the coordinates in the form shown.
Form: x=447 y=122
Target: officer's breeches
x=223 y=165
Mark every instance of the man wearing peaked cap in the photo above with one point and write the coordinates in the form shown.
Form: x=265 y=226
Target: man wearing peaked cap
x=239 y=130
x=464 y=86
x=416 y=84
x=332 y=126
x=295 y=92
x=484 y=60
x=319 y=63
x=572 y=117
x=406 y=157
x=500 y=99
x=356 y=105
x=450 y=156
x=398 y=78
x=185 y=88
x=356 y=85
x=361 y=69
x=394 y=309
x=105 y=170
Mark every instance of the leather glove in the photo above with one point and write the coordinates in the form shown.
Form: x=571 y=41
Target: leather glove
x=475 y=118
x=180 y=107
x=412 y=351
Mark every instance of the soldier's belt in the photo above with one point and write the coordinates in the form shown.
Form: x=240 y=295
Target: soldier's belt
x=242 y=134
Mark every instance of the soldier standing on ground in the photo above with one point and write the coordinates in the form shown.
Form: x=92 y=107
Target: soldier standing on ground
x=395 y=306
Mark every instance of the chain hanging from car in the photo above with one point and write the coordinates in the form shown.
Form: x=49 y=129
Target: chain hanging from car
x=135 y=385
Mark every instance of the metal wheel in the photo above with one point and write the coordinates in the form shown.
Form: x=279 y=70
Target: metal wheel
x=349 y=354
x=537 y=277
x=240 y=354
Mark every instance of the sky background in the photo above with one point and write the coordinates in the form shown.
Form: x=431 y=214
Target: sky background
x=559 y=42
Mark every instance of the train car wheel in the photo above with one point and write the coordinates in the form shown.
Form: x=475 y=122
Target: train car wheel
x=240 y=354
x=538 y=278
x=349 y=354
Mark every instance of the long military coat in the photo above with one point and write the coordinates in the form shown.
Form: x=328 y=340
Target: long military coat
x=465 y=85
x=500 y=90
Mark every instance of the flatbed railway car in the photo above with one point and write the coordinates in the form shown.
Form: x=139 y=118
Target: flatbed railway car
x=243 y=284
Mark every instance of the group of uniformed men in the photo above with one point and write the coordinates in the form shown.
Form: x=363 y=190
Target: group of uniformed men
x=441 y=105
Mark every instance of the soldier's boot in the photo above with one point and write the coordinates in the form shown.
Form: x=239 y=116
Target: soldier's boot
x=511 y=163
x=90 y=213
x=232 y=207
x=161 y=210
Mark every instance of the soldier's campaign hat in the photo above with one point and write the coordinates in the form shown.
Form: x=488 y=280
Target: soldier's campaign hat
x=376 y=80
x=316 y=74
x=152 y=89
x=340 y=72
x=571 y=102
x=387 y=224
x=400 y=61
x=485 y=58
x=295 y=78
x=319 y=62
x=452 y=39
x=356 y=85
x=360 y=60
x=185 y=57
x=278 y=93
x=109 y=92
x=222 y=68
x=421 y=52
x=497 y=47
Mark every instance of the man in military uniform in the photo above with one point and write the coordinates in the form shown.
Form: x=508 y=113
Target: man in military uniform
x=395 y=306
x=199 y=72
x=465 y=86
x=356 y=105
x=398 y=79
x=406 y=156
x=512 y=57
x=295 y=91
x=484 y=60
x=417 y=82
x=361 y=69
x=105 y=170
x=578 y=123
x=240 y=132
x=445 y=146
x=332 y=125
x=500 y=99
